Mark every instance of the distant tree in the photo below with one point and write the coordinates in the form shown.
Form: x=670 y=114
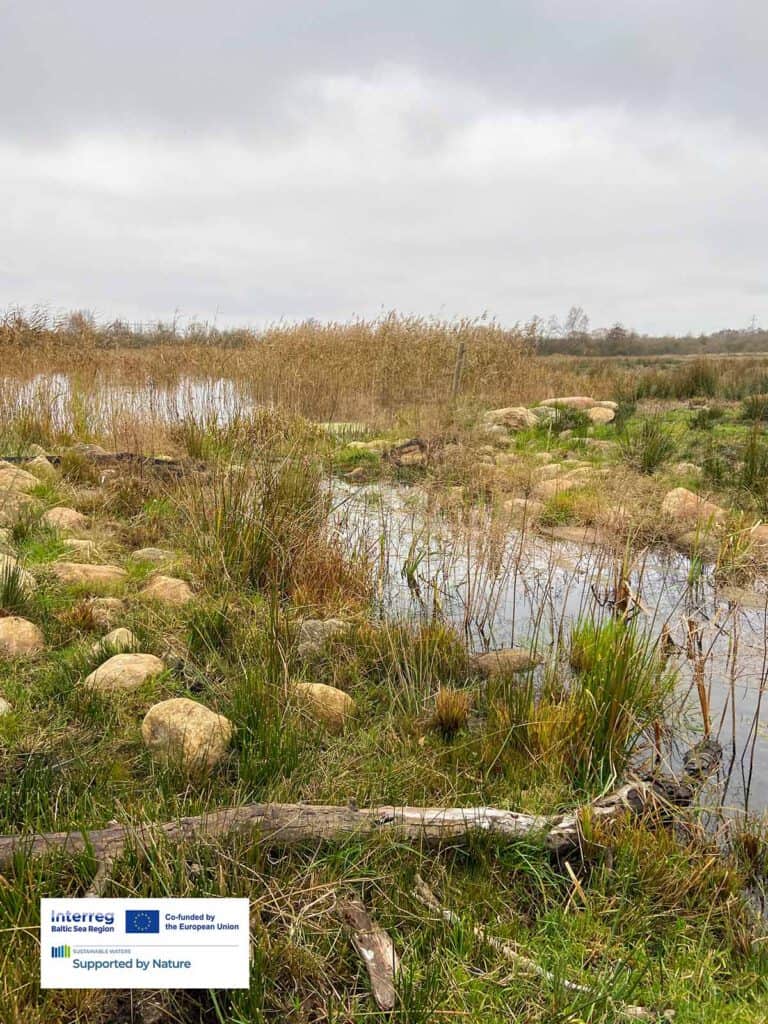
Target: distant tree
x=576 y=323
x=554 y=328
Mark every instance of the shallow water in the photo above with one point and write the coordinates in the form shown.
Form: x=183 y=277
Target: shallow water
x=499 y=588
x=512 y=588
x=221 y=398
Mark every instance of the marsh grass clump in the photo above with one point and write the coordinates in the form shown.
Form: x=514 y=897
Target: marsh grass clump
x=77 y=468
x=210 y=628
x=647 y=446
x=262 y=522
x=566 y=418
x=451 y=711
x=690 y=378
x=717 y=463
x=736 y=560
x=14 y=589
x=409 y=663
x=559 y=509
x=619 y=688
x=706 y=417
x=754 y=469
x=755 y=408
x=627 y=406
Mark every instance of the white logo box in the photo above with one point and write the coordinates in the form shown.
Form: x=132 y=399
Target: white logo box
x=144 y=943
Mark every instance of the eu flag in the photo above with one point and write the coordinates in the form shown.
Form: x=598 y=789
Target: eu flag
x=142 y=922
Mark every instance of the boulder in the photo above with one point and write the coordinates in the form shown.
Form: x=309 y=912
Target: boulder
x=698 y=542
x=687 y=469
x=411 y=453
x=89 y=449
x=523 y=507
x=63 y=518
x=413 y=457
x=494 y=664
x=313 y=633
x=549 y=471
x=13 y=478
x=105 y=610
x=744 y=597
x=120 y=640
x=546 y=489
x=9 y=564
x=19 y=638
x=514 y=417
x=42 y=468
x=582 y=536
x=599 y=415
x=544 y=413
x=83 y=548
x=378 y=446
x=157 y=556
x=182 y=732
x=168 y=590
x=690 y=509
x=327 y=705
x=570 y=402
x=88 y=574
x=607 y=405
x=124 y=672
x=13 y=504
x=5 y=707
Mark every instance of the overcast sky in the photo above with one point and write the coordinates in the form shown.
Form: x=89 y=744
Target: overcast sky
x=332 y=158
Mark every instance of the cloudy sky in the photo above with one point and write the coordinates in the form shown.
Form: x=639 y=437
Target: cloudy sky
x=251 y=161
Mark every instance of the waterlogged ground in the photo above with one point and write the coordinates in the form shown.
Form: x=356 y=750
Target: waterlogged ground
x=508 y=586
x=659 y=917
x=513 y=587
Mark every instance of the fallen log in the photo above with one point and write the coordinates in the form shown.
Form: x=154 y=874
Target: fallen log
x=163 y=464
x=290 y=824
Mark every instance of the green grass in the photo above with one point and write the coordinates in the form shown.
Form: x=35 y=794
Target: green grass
x=648 y=445
x=619 y=689
x=558 y=510
x=657 y=918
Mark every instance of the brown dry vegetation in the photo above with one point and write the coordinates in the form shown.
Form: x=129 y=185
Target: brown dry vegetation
x=361 y=370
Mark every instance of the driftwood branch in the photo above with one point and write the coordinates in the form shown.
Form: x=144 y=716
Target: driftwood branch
x=375 y=948
x=510 y=952
x=289 y=824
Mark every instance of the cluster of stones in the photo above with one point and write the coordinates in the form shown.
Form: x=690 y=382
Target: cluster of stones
x=519 y=417
x=333 y=707
x=179 y=730
x=692 y=517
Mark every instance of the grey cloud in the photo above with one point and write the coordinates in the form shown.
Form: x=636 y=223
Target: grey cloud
x=199 y=67
x=330 y=158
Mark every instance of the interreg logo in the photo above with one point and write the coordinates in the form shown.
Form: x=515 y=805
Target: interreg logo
x=142 y=922
x=61 y=952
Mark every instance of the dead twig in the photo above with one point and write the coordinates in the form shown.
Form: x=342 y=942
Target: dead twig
x=510 y=952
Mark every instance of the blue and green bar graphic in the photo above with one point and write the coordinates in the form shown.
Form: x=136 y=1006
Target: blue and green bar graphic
x=58 y=952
